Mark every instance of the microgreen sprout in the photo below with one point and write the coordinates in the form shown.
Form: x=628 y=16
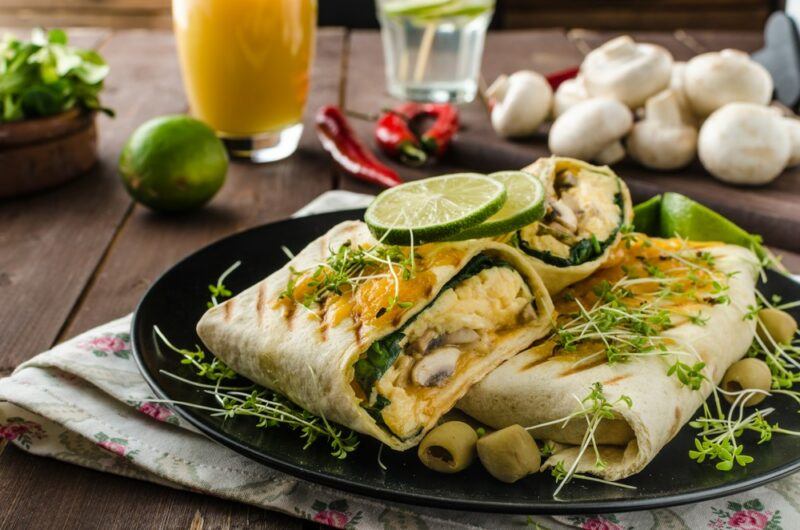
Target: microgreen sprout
x=348 y=266
x=594 y=408
x=219 y=291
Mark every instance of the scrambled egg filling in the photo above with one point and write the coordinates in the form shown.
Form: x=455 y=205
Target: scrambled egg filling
x=459 y=329
x=582 y=205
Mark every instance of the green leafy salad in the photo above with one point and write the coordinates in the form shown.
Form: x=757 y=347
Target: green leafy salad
x=45 y=77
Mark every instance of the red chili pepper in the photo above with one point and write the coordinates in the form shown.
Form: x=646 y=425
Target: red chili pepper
x=339 y=139
x=556 y=78
x=395 y=136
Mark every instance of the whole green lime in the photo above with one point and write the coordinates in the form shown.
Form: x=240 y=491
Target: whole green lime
x=173 y=163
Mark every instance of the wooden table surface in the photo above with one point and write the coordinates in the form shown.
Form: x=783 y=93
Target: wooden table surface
x=83 y=254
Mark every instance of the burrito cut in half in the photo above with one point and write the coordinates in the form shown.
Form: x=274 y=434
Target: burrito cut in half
x=653 y=304
x=586 y=208
x=383 y=340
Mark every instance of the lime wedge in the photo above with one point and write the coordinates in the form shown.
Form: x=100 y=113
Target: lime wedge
x=684 y=217
x=395 y=8
x=434 y=209
x=647 y=216
x=525 y=205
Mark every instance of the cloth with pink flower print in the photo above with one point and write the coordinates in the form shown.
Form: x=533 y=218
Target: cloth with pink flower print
x=84 y=402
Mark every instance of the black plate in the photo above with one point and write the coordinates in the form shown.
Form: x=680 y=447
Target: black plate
x=178 y=299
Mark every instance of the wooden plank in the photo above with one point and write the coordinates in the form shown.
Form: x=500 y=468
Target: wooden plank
x=117 y=19
x=147 y=244
x=637 y=18
x=52 y=494
x=587 y=40
x=52 y=241
x=707 y=40
x=90 y=38
x=253 y=194
x=11 y=5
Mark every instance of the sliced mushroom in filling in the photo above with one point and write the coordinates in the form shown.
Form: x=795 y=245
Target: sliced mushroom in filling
x=582 y=212
x=458 y=329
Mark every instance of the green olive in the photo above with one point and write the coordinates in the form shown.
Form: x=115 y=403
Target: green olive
x=747 y=374
x=779 y=325
x=448 y=448
x=509 y=454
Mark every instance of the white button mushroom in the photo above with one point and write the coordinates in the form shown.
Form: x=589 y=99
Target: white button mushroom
x=744 y=143
x=793 y=129
x=569 y=93
x=591 y=130
x=522 y=102
x=676 y=84
x=627 y=71
x=714 y=79
x=436 y=367
x=662 y=140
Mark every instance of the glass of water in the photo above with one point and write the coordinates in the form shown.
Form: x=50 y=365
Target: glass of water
x=433 y=48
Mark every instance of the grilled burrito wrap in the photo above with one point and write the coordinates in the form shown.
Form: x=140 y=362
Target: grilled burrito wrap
x=391 y=349
x=585 y=209
x=653 y=304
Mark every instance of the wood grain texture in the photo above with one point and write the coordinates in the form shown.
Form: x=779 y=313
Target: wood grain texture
x=52 y=242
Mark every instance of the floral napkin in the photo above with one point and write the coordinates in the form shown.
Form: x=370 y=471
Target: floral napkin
x=85 y=402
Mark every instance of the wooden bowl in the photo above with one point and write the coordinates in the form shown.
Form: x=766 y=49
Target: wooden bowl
x=44 y=152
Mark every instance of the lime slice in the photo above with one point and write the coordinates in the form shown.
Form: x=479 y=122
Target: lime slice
x=684 y=217
x=525 y=205
x=457 y=8
x=394 y=8
x=434 y=209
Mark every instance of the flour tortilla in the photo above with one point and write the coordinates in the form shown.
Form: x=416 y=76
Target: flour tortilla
x=554 y=277
x=310 y=360
x=533 y=388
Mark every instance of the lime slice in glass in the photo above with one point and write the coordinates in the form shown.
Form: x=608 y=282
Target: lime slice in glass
x=456 y=8
x=395 y=8
x=525 y=205
x=434 y=209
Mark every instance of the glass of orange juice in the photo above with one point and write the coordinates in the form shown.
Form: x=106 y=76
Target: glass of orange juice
x=245 y=66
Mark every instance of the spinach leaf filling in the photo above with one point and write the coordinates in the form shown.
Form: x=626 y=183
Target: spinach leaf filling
x=384 y=352
x=585 y=250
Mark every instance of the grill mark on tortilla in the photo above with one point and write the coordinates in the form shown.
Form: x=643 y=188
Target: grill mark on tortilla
x=676 y=425
x=323 y=318
x=616 y=379
x=357 y=330
x=584 y=366
x=228 y=310
x=260 y=300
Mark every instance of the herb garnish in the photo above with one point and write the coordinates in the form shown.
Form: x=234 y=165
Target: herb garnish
x=347 y=267
x=45 y=76
x=594 y=408
x=268 y=407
